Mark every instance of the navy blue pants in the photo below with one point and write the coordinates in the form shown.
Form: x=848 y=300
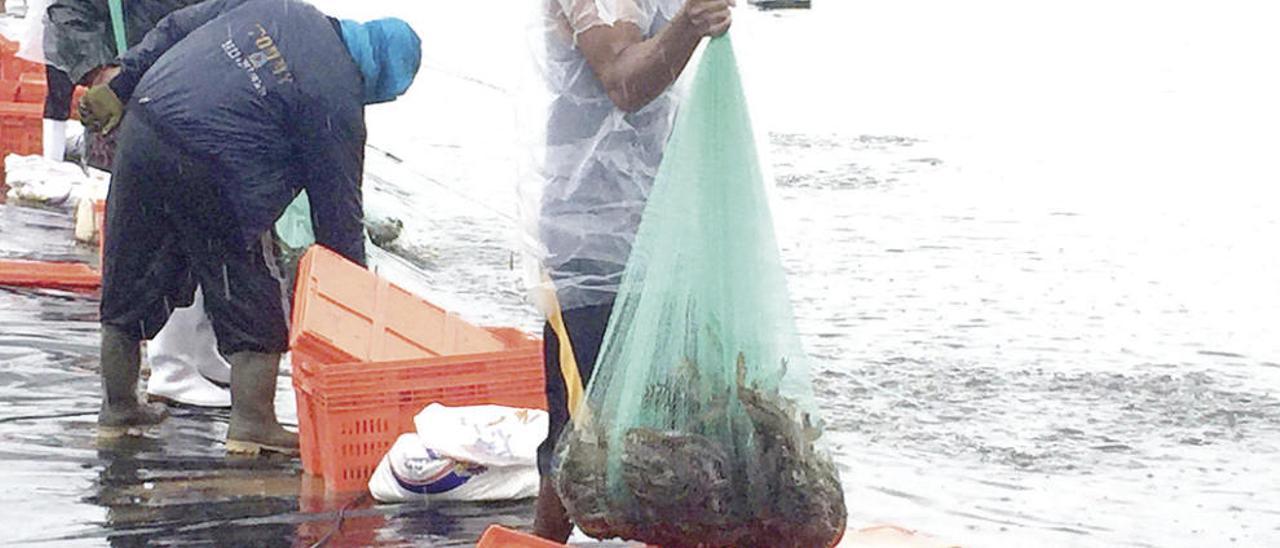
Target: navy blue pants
x=168 y=228
x=586 y=327
x=58 y=91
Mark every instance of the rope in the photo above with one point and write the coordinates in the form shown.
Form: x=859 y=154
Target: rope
x=337 y=522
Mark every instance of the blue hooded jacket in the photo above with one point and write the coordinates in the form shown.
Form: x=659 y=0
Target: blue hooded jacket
x=273 y=92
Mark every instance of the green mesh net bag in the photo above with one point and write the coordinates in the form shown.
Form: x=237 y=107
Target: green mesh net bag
x=699 y=427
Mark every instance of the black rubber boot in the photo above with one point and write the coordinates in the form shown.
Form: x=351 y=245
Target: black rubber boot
x=550 y=520
x=254 y=427
x=122 y=414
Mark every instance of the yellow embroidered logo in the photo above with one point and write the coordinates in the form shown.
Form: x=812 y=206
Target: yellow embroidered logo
x=269 y=53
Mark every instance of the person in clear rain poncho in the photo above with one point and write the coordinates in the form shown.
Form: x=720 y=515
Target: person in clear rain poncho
x=609 y=67
x=233 y=107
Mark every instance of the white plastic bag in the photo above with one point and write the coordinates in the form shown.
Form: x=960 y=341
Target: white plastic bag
x=37 y=180
x=476 y=453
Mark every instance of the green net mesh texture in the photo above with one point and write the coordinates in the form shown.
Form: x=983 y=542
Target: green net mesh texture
x=700 y=427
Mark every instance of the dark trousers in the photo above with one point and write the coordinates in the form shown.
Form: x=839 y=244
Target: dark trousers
x=169 y=228
x=586 y=327
x=57 y=98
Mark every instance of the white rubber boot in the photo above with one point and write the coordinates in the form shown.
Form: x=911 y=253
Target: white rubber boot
x=181 y=383
x=208 y=360
x=184 y=357
x=55 y=139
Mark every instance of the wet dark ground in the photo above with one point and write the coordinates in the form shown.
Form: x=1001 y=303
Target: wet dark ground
x=62 y=486
x=997 y=367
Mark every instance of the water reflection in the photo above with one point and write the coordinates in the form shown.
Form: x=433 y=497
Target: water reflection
x=66 y=486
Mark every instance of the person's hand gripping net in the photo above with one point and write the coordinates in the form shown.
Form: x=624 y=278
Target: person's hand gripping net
x=100 y=109
x=709 y=18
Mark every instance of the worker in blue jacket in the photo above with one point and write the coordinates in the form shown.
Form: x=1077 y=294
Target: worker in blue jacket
x=233 y=107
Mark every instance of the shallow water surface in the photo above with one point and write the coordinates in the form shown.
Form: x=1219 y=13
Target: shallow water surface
x=64 y=486
x=1042 y=309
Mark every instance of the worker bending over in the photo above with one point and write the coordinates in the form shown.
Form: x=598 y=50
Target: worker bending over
x=233 y=107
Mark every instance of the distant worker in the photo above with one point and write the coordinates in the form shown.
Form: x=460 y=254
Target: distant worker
x=80 y=43
x=610 y=65
x=58 y=86
x=81 y=40
x=233 y=107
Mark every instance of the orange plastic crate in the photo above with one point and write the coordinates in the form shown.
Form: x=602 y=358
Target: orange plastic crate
x=357 y=392
x=11 y=67
x=32 y=88
x=19 y=76
x=348 y=420
x=344 y=313
x=20 y=129
x=497 y=536
x=9 y=90
x=22 y=273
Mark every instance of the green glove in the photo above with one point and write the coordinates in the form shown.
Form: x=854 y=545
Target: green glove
x=100 y=109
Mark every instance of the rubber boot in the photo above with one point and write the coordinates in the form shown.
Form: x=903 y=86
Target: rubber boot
x=180 y=382
x=254 y=427
x=55 y=139
x=181 y=353
x=210 y=363
x=550 y=519
x=122 y=414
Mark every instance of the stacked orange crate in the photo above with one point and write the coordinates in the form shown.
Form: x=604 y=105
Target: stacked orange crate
x=19 y=121
x=368 y=356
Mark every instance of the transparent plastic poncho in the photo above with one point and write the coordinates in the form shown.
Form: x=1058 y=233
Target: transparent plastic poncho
x=700 y=426
x=31 y=44
x=590 y=165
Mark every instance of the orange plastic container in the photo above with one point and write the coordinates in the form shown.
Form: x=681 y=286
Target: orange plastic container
x=350 y=415
x=20 y=128
x=344 y=313
x=32 y=88
x=24 y=273
x=22 y=91
x=11 y=67
x=368 y=356
x=100 y=222
x=497 y=536
x=14 y=69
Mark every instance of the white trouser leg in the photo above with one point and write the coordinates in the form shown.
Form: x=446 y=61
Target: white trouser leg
x=55 y=139
x=183 y=354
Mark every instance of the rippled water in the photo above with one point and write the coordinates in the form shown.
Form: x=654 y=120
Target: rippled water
x=1042 y=309
x=1015 y=373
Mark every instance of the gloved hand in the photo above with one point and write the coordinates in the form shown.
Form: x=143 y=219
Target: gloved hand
x=100 y=109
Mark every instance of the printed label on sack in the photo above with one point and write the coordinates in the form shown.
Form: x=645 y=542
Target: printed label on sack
x=435 y=474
